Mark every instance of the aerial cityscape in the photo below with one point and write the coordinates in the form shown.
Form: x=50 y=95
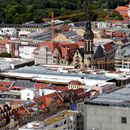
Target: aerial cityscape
x=65 y=65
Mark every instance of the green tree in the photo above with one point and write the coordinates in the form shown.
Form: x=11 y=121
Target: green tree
x=19 y=11
x=5 y=54
x=115 y=16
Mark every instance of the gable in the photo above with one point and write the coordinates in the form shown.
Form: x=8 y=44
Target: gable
x=56 y=52
x=77 y=53
x=99 y=53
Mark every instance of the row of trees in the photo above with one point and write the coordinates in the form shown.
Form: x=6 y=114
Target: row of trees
x=20 y=11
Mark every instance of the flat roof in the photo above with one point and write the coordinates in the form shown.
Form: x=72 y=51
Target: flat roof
x=11 y=100
x=120 y=97
x=98 y=42
x=60 y=116
x=39 y=71
x=14 y=61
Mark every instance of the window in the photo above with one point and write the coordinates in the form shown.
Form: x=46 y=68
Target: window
x=28 y=98
x=56 y=126
x=65 y=122
x=123 y=120
x=27 y=94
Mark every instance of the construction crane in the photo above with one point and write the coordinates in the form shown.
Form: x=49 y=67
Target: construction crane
x=93 y=62
x=60 y=17
x=64 y=16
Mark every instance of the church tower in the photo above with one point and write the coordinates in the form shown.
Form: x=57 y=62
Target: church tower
x=88 y=45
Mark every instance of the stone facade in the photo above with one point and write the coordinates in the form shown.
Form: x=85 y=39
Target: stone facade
x=55 y=54
x=78 y=59
x=61 y=53
x=122 y=58
x=99 y=117
x=43 y=56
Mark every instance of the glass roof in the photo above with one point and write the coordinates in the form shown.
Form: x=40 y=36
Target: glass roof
x=43 y=70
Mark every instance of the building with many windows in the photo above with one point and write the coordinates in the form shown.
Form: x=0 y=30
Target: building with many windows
x=108 y=111
x=56 y=53
x=122 y=57
x=43 y=56
x=65 y=120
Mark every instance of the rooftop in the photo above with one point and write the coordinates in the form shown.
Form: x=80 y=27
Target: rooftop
x=12 y=101
x=122 y=8
x=41 y=25
x=56 y=118
x=24 y=83
x=119 y=97
x=39 y=71
x=13 y=60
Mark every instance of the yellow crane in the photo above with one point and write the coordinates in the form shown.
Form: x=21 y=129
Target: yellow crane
x=69 y=16
x=60 y=17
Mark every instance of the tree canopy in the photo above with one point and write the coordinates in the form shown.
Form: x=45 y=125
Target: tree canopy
x=5 y=54
x=20 y=11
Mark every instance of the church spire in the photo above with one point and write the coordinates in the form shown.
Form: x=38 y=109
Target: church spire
x=88 y=38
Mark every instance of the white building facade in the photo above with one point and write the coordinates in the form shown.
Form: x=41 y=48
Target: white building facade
x=8 y=32
x=65 y=120
x=43 y=56
x=29 y=94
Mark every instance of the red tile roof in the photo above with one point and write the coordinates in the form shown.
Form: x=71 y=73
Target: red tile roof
x=64 y=52
x=123 y=11
x=122 y=8
x=19 y=112
x=65 y=28
x=80 y=44
x=75 y=82
x=16 y=102
x=60 y=88
x=81 y=94
x=108 y=47
x=79 y=90
x=4 y=41
x=4 y=85
x=69 y=50
x=124 y=15
x=65 y=48
x=43 y=106
x=51 y=45
x=46 y=99
x=40 y=85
